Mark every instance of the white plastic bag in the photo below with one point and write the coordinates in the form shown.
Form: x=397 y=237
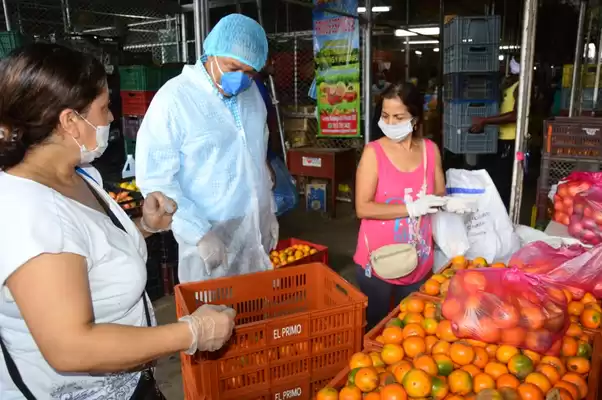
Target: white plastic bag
x=449 y=233
x=440 y=260
x=489 y=229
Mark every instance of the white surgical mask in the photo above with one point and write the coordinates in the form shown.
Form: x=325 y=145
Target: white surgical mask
x=102 y=142
x=396 y=132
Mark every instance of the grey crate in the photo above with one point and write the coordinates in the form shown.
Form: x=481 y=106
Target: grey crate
x=587 y=99
x=459 y=140
x=472 y=86
x=471 y=58
x=461 y=114
x=472 y=30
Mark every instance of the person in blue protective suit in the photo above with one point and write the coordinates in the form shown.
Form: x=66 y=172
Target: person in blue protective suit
x=203 y=142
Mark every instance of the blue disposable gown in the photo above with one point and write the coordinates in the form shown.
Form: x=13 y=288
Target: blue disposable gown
x=208 y=153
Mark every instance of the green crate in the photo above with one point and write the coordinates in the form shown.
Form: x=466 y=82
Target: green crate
x=169 y=71
x=140 y=77
x=130 y=146
x=10 y=41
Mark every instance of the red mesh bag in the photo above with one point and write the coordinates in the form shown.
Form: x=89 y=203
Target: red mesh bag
x=585 y=223
x=507 y=306
x=564 y=199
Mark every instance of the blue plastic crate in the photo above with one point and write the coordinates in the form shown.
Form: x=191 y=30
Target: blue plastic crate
x=471 y=86
x=459 y=140
x=472 y=30
x=587 y=99
x=471 y=58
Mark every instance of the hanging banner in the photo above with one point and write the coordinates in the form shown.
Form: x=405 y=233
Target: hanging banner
x=337 y=59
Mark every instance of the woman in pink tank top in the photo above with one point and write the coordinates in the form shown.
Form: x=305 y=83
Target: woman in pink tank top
x=389 y=179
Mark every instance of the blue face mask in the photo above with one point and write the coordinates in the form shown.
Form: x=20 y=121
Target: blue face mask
x=232 y=83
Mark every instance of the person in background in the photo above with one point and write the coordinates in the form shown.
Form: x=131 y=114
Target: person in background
x=395 y=196
x=500 y=167
x=203 y=142
x=75 y=322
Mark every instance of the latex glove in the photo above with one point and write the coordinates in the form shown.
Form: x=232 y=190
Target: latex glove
x=274 y=232
x=424 y=205
x=157 y=212
x=460 y=205
x=213 y=252
x=211 y=327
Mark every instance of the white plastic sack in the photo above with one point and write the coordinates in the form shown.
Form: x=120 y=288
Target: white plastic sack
x=440 y=260
x=529 y=235
x=449 y=233
x=490 y=230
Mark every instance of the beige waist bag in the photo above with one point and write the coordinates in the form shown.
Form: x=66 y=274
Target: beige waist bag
x=398 y=260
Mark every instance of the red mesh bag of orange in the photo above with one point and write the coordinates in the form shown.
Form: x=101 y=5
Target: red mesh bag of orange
x=507 y=306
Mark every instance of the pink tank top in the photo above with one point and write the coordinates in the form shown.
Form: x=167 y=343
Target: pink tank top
x=396 y=187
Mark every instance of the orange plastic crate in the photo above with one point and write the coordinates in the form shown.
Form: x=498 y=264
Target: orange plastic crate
x=296 y=328
x=320 y=257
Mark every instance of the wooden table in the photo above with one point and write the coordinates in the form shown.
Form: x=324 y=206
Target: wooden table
x=335 y=165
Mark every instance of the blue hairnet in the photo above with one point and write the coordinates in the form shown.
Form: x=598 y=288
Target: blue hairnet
x=239 y=37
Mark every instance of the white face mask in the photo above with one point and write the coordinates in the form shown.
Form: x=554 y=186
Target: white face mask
x=396 y=132
x=102 y=142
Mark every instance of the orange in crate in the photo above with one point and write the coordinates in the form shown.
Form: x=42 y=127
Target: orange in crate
x=290 y=252
x=295 y=328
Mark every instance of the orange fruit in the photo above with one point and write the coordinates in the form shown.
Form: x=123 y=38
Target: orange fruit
x=441 y=347
x=460 y=382
x=535 y=357
x=559 y=394
x=555 y=362
x=569 y=346
x=417 y=383
x=584 y=349
x=327 y=393
x=568 y=294
x=509 y=393
x=454 y=397
x=588 y=298
x=430 y=342
x=380 y=339
x=439 y=389
x=569 y=387
x=386 y=377
x=392 y=353
x=451 y=308
x=520 y=366
x=400 y=370
x=474 y=281
x=350 y=393
x=371 y=396
x=393 y=391
x=481 y=358
x=488 y=330
x=491 y=350
x=505 y=352
x=445 y=332
x=574 y=330
x=497 y=265
x=513 y=336
x=533 y=317
x=360 y=360
x=430 y=310
x=366 y=379
x=578 y=381
x=427 y=364
x=476 y=343
x=393 y=335
x=593 y=306
x=576 y=308
x=413 y=330
x=550 y=372
x=445 y=365
x=430 y=326
x=579 y=365
x=507 y=380
x=439 y=278
x=459 y=262
x=591 y=318
x=413 y=318
x=472 y=369
x=413 y=346
x=539 y=380
x=479 y=262
x=528 y=391
x=496 y=369
x=461 y=353
x=482 y=382
x=377 y=361
x=539 y=340
x=415 y=305
x=432 y=287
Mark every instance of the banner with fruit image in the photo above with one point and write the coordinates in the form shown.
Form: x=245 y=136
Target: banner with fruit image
x=337 y=59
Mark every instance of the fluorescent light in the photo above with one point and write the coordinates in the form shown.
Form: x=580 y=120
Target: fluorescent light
x=428 y=31
x=418 y=52
x=424 y=42
x=375 y=9
x=436 y=49
x=501 y=57
x=403 y=33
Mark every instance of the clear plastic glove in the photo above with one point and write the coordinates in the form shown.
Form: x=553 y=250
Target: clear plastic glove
x=459 y=205
x=274 y=232
x=424 y=205
x=213 y=252
x=157 y=212
x=211 y=327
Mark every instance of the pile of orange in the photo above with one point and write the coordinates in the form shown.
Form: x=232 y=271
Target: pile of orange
x=584 y=312
x=438 y=284
x=280 y=258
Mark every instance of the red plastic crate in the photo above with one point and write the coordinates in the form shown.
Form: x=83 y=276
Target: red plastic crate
x=295 y=329
x=136 y=102
x=320 y=257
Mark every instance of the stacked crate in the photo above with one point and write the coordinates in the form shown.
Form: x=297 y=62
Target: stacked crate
x=471 y=88
x=10 y=41
x=588 y=82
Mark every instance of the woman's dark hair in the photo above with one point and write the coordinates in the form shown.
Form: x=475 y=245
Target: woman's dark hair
x=409 y=94
x=37 y=83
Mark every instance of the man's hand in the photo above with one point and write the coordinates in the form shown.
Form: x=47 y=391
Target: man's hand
x=157 y=212
x=478 y=125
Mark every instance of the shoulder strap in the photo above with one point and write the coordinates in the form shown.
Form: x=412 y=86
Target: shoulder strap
x=14 y=374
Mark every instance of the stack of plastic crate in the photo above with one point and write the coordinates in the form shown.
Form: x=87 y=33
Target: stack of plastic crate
x=10 y=41
x=588 y=83
x=471 y=88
